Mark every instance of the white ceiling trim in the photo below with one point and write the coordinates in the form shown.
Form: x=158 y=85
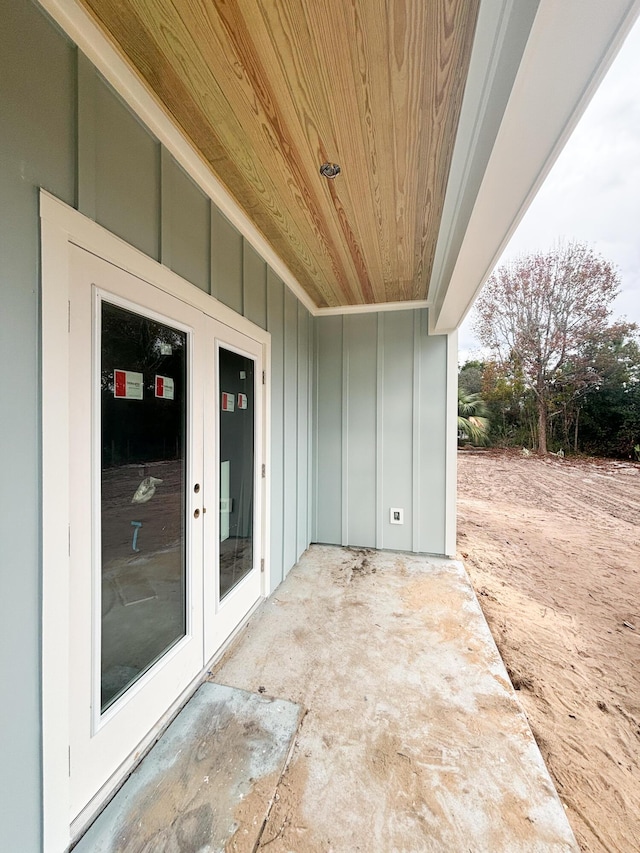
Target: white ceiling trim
x=373 y=308
x=570 y=48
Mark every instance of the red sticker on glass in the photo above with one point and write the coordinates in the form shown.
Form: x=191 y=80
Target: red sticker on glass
x=164 y=387
x=128 y=385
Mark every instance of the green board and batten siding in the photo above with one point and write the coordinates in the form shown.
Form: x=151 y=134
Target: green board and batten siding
x=167 y=216
x=381 y=429
x=357 y=402
x=64 y=129
x=37 y=148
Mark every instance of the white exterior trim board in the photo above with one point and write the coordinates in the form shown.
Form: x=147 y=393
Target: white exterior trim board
x=55 y=535
x=61 y=228
x=451 y=447
x=552 y=89
x=372 y=308
x=92 y=237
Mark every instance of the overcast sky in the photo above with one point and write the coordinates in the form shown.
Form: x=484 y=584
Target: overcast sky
x=592 y=194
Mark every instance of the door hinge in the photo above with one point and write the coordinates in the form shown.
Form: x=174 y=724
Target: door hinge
x=264 y=378
x=262 y=565
x=264 y=471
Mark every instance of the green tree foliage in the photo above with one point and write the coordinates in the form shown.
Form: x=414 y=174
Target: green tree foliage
x=512 y=407
x=601 y=418
x=607 y=420
x=470 y=377
x=473 y=423
x=545 y=317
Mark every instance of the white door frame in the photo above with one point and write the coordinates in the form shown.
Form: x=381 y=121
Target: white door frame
x=62 y=226
x=226 y=610
x=102 y=740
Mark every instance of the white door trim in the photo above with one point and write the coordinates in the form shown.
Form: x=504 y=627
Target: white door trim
x=62 y=226
x=226 y=609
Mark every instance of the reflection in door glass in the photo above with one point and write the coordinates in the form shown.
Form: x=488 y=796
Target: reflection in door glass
x=143 y=464
x=236 y=377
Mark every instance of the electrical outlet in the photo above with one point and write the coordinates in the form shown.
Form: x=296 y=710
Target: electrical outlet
x=396 y=516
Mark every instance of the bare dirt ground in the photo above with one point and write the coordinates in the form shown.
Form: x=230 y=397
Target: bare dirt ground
x=553 y=549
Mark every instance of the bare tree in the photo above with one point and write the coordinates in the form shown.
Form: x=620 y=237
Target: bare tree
x=539 y=313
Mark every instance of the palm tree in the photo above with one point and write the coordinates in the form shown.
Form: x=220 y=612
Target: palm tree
x=473 y=423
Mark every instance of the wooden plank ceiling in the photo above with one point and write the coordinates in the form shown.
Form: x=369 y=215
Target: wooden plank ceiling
x=268 y=90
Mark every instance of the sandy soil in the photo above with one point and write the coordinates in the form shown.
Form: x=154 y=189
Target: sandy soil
x=553 y=549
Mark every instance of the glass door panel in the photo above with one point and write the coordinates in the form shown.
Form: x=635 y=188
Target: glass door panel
x=136 y=619
x=143 y=382
x=236 y=374
x=156 y=583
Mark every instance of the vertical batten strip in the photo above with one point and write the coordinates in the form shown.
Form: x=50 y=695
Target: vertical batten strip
x=275 y=327
x=283 y=415
x=86 y=136
x=243 y=285
x=303 y=428
x=316 y=414
x=312 y=427
x=210 y=244
x=290 y=428
x=166 y=181
x=379 y=433
x=285 y=467
x=216 y=248
x=297 y=434
x=451 y=445
x=344 y=467
x=244 y=300
x=416 y=468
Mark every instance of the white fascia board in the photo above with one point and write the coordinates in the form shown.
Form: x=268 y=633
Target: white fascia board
x=77 y=23
x=570 y=48
x=502 y=30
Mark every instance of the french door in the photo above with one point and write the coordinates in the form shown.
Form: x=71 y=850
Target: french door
x=166 y=418
x=233 y=473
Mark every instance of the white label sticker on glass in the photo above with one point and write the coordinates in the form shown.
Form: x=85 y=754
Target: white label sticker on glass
x=228 y=402
x=164 y=387
x=242 y=401
x=128 y=385
x=225 y=500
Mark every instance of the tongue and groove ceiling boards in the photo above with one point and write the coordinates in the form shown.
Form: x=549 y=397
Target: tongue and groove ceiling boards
x=445 y=116
x=269 y=90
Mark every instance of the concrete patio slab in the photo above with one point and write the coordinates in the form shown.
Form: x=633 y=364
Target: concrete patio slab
x=207 y=784
x=413 y=739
